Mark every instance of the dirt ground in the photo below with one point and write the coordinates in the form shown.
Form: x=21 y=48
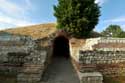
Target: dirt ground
x=60 y=71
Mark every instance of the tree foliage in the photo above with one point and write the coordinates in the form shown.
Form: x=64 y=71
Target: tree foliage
x=78 y=17
x=113 y=31
x=122 y=35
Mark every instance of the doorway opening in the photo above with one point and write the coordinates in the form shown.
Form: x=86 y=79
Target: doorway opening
x=61 y=47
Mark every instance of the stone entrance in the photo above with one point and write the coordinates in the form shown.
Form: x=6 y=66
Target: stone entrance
x=60 y=70
x=61 y=47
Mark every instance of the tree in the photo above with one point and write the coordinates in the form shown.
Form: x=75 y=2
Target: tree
x=112 y=31
x=77 y=17
x=122 y=35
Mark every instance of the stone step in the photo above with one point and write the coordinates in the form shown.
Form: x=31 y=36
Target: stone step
x=32 y=68
x=28 y=78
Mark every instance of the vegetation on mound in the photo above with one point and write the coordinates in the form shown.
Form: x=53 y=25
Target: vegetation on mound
x=35 y=31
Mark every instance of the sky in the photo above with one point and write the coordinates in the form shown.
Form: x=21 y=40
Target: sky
x=17 y=13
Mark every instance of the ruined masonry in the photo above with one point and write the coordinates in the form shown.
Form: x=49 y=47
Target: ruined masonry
x=21 y=56
x=92 y=58
x=99 y=57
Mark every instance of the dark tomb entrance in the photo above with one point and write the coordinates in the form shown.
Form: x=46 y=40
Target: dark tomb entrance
x=61 y=47
x=60 y=70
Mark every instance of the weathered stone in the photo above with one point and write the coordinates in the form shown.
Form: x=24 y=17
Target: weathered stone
x=21 y=55
x=91 y=77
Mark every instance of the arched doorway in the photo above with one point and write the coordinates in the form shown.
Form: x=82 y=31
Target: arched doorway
x=61 y=47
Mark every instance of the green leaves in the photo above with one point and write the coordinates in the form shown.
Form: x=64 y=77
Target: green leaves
x=78 y=17
x=113 y=31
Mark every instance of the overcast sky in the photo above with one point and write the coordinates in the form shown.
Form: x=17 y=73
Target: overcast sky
x=14 y=13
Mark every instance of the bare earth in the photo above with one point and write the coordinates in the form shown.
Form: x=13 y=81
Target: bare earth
x=60 y=71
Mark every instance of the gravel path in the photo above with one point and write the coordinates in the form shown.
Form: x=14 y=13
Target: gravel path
x=60 y=71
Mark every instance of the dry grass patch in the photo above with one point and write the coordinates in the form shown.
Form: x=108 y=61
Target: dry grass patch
x=35 y=31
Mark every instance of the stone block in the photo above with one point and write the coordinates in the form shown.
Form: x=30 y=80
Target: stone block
x=28 y=78
x=90 y=77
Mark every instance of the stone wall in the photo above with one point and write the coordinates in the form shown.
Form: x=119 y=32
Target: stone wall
x=85 y=77
x=23 y=56
x=104 y=55
x=105 y=44
x=91 y=77
x=33 y=68
x=75 y=46
x=35 y=65
x=13 y=49
x=106 y=62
